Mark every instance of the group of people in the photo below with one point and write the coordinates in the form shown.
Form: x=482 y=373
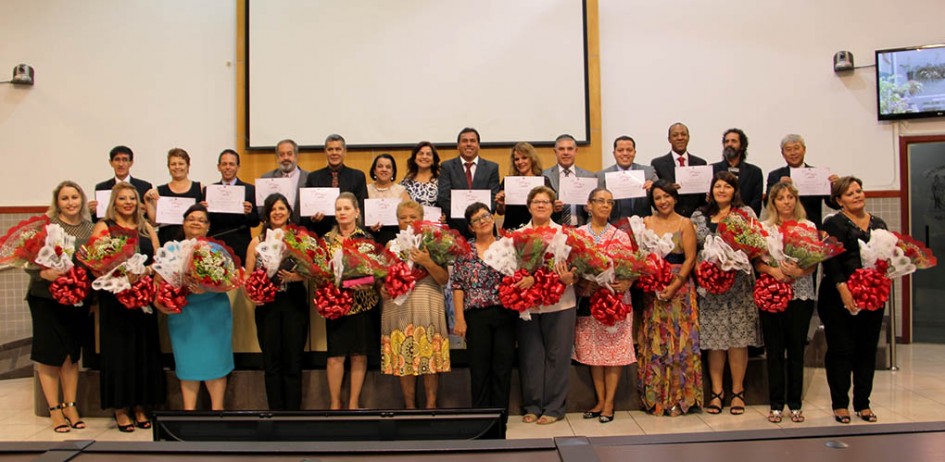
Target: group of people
x=677 y=325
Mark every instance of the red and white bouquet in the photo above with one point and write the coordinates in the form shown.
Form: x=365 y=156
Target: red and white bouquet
x=73 y=286
x=719 y=263
x=112 y=255
x=885 y=256
x=528 y=252
x=744 y=232
x=403 y=274
x=658 y=272
x=259 y=286
x=357 y=262
x=21 y=243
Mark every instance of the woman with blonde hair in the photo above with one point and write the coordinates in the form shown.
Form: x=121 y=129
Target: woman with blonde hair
x=523 y=161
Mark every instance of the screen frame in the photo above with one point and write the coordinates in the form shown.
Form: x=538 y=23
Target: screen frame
x=908 y=115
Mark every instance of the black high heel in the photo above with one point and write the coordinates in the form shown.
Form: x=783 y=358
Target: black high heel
x=79 y=424
x=124 y=428
x=63 y=428
x=871 y=417
x=737 y=410
x=713 y=409
x=844 y=419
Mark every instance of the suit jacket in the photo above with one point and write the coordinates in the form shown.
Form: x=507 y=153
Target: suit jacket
x=623 y=208
x=554 y=175
x=349 y=180
x=235 y=229
x=107 y=185
x=303 y=176
x=453 y=176
x=749 y=182
x=811 y=204
x=665 y=167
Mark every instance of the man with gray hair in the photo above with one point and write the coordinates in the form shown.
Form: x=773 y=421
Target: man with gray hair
x=335 y=175
x=793 y=149
x=566 y=151
x=287 y=155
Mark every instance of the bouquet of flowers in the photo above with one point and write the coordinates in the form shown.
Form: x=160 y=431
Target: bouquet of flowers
x=107 y=250
x=885 y=256
x=269 y=253
x=73 y=286
x=658 y=273
x=920 y=255
x=527 y=252
x=716 y=272
x=211 y=267
x=444 y=244
x=170 y=262
x=403 y=275
x=112 y=255
x=355 y=263
x=21 y=243
x=309 y=253
x=802 y=244
x=743 y=232
x=585 y=257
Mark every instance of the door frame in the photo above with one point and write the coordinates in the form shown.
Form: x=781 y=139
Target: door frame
x=904 y=142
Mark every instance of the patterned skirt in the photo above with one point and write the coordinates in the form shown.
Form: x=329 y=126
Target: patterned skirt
x=414 y=336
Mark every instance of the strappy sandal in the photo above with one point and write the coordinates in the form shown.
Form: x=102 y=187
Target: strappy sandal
x=78 y=424
x=871 y=417
x=774 y=416
x=797 y=415
x=844 y=419
x=63 y=428
x=737 y=410
x=713 y=409
x=128 y=428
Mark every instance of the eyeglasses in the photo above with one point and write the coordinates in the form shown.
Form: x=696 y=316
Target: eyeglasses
x=481 y=220
x=600 y=201
x=540 y=202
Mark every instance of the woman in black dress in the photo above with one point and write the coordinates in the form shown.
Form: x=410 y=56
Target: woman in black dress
x=178 y=165
x=523 y=161
x=131 y=374
x=281 y=325
x=57 y=328
x=852 y=333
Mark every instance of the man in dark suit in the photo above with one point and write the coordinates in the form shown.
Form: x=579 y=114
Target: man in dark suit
x=468 y=171
x=234 y=229
x=566 y=151
x=625 y=151
x=793 y=149
x=679 y=156
x=121 y=159
x=287 y=154
x=335 y=175
x=734 y=153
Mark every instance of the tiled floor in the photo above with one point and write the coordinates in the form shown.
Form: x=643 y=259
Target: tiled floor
x=913 y=394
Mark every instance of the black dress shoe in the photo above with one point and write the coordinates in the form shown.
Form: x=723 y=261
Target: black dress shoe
x=606 y=418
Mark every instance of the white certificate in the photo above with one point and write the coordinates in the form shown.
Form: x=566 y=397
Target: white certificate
x=431 y=213
x=102 y=197
x=268 y=186
x=383 y=211
x=518 y=187
x=575 y=190
x=462 y=198
x=811 y=181
x=224 y=198
x=170 y=210
x=625 y=184
x=694 y=180
x=314 y=200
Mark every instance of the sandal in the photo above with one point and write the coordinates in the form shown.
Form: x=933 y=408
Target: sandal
x=738 y=410
x=62 y=428
x=145 y=422
x=78 y=424
x=774 y=416
x=128 y=428
x=844 y=419
x=529 y=418
x=797 y=416
x=548 y=420
x=871 y=417
x=713 y=409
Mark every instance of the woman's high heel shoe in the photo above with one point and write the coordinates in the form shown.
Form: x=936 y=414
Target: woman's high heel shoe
x=124 y=428
x=63 y=428
x=78 y=424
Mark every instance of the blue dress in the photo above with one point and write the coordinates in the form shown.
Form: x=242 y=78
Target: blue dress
x=202 y=337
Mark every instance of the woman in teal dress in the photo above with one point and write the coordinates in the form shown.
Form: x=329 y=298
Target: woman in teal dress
x=202 y=333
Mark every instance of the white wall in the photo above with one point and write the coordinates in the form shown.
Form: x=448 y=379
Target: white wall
x=763 y=66
x=149 y=74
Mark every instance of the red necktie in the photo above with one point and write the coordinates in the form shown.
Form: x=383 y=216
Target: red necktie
x=682 y=161
x=469 y=174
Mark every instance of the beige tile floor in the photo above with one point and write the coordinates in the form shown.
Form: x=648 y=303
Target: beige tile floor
x=915 y=393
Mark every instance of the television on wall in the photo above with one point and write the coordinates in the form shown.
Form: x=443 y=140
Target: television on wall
x=910 y=82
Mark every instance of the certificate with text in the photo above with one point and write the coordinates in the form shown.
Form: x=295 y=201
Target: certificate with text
x=267 y=186
x=383 y=211
x=626 y=184
x=315 y=200
x=575 y=190
x=102 y=197
x=462 y=198
x=694 y=180
x=811 y=181
x=431 y=213
x=170 y=210
x=224 y=198
x=518 y=187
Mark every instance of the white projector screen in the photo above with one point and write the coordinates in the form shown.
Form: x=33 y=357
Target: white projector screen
x=391 y=73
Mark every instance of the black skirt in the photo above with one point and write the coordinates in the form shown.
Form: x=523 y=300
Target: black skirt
x=58 y=330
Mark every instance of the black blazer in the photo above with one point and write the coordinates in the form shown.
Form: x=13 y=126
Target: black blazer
x=811 y=204
x=749 y=183
x=453 y=176
x=665 y=167
x=234 y=229
x=349 y=180
x=140 y=185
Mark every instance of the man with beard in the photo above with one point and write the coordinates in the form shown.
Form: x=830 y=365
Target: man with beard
x=793 y=149
x=287 y=154
x=679 y=156
x=750 y=178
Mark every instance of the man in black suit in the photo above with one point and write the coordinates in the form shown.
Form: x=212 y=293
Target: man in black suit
x=234 y=229
x=121 y=159
x=335 y=175
x=679 y=156
x=625 y=151
x=287 y=154
x=793 y=149
x=468 y=171
x=734 y=153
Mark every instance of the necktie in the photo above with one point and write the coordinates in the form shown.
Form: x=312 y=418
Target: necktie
x=568 y=210
x=334 y=178
x=469 y=174
x=682 y=161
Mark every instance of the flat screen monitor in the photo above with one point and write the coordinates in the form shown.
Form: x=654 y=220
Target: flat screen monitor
x=910 y=82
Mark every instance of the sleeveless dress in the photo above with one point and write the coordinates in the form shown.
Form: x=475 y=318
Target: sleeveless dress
x=414 y=337
x=669 y=360
x=202 y=337
x=130 y=350
x=176 y=232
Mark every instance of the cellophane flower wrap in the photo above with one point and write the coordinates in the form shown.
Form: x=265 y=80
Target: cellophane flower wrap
x=444 y=244
x=259 y=287
x=885 y=256
x=212 y=267
x=108 y=249
x=917 y=253
x=352 y=264
x=657 y=273
x=113 y=256
x=518 y=254
x=403 y=274
x=715 y=273
x=743 y=232
x=170 y=262
x=310 y=253
x=73 y=286
x=803 y=244
x=21 y=243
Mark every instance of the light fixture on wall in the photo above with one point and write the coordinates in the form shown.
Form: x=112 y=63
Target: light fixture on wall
x=22 y=75
x=842 y=61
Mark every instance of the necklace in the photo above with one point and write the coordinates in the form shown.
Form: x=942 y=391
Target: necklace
x=590 y=228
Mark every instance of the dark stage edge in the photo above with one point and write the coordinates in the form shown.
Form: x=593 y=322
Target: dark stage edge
x=880 y=442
